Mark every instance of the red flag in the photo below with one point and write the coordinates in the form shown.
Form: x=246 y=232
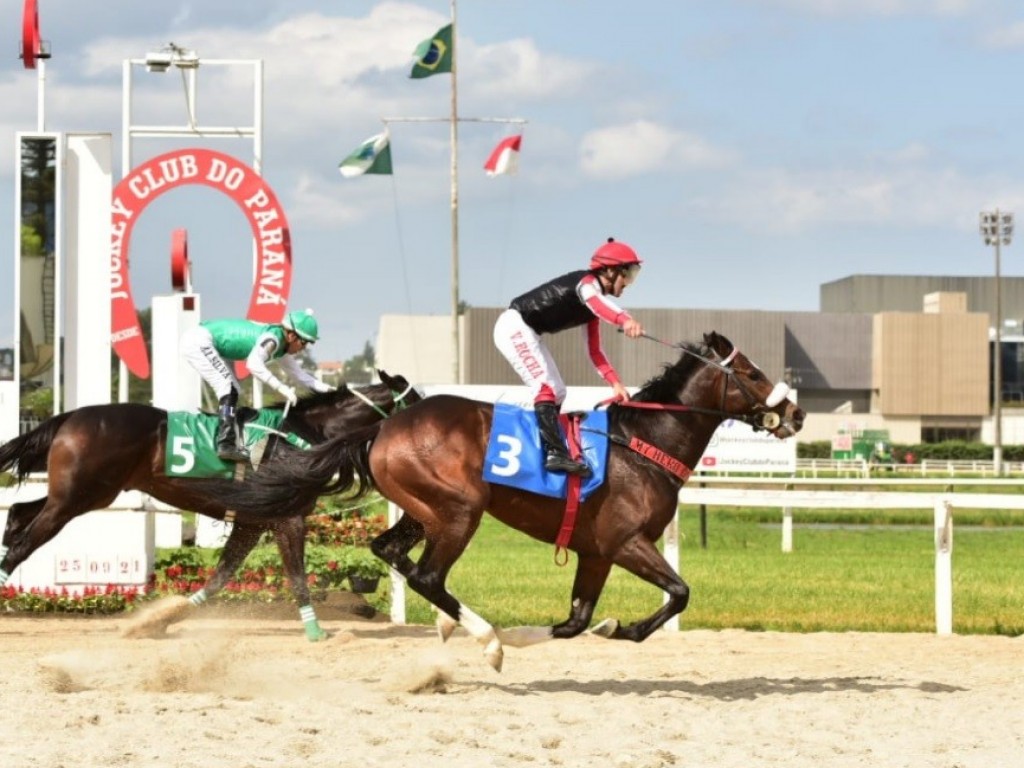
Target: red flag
x=505 y=157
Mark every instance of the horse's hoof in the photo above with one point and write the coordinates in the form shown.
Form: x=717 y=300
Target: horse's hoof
x=314 y=632
x=606 y=628
x=445 y=626
x=495 y=654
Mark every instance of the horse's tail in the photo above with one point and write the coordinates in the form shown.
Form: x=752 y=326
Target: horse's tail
x=293 y=480
x=27 y=453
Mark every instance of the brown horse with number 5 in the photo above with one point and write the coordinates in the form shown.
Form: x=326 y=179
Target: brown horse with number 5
x=93 y=453
x=429 y=460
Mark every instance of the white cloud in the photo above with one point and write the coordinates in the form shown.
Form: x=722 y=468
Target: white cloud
x=876 y=7
x=517 y=69
x=642 y=146
x=1008 y=36
x=316 y=203
x=781 y=201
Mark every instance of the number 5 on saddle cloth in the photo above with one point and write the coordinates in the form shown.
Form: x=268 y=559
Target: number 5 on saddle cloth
x=515 y=458
x=190 y=450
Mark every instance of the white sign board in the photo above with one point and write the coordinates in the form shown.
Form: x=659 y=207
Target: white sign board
x=736 y=447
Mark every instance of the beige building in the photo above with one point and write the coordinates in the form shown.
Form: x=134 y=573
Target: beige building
x=924 y=375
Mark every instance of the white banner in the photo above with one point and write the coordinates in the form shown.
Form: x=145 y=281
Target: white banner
x=736 y=447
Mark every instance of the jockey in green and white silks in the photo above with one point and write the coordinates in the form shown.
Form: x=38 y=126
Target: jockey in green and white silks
x=210 y=346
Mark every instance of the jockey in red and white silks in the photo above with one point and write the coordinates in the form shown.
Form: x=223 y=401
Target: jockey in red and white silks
x=580 y=298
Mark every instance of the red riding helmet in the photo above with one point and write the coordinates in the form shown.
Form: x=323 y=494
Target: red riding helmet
x=613 y=254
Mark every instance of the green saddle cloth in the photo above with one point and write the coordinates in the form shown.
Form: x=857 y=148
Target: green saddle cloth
x=191 y=449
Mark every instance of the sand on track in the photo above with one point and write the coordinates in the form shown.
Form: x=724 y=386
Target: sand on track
x=241 y=693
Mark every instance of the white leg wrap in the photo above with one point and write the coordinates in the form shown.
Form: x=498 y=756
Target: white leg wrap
x=3 y=551
x=198 y=598
x=307 y=614
x=484 y=634
x=521 y=637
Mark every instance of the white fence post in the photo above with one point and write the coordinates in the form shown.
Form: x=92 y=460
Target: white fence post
x=672 y=556
x=397 y=582
x=943 y=567
x=787 y=529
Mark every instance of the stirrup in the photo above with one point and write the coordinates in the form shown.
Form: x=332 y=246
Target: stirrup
x=560 y=462
x=231 y=452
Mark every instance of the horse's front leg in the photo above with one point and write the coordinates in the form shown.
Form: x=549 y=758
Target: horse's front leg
x=241 y=540
x=591 y=575
x=642 y=558
x=290 y=534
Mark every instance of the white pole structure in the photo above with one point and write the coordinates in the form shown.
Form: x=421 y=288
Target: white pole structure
x=943 y=567
x=997 y=230
x=41 y=94
x=453 y=121
x=454 y=134
x=188 y=62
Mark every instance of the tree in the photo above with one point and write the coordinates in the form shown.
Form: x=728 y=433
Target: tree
x=359 y=368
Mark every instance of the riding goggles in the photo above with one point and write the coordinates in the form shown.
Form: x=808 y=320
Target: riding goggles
x=629 y=273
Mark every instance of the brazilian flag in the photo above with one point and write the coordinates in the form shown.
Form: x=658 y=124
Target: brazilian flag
x=434 y=55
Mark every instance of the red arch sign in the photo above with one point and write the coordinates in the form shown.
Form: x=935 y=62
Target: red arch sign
x=228 y=175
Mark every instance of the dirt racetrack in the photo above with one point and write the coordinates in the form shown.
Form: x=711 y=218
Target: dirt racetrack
x=233 y=693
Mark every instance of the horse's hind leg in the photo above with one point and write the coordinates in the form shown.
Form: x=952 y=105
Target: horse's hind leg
x=42 y=519
x=290 y=534
x=18 y=518
x=427 y=577
x=393 y=546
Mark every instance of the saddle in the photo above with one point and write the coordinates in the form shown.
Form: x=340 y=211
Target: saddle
x=515 y=456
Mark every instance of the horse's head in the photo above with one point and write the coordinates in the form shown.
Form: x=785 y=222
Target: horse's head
x=745 y=393
x=404 y=393
x=330 y=414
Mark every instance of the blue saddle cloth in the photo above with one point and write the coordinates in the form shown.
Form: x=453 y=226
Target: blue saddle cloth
x=515 y=458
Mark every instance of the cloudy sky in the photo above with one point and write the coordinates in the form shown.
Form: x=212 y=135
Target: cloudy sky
x=750 y=150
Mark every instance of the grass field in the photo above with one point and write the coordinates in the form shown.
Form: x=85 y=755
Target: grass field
x=878 y=578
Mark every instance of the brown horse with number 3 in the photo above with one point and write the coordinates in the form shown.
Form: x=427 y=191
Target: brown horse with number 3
x=429 y=460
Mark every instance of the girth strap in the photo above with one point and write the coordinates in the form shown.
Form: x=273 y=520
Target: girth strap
x=571 y=423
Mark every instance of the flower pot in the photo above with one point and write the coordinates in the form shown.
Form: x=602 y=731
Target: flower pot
x=364 y=584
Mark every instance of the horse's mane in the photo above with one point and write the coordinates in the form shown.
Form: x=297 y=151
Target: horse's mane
x=665 y=388
x=315 y=399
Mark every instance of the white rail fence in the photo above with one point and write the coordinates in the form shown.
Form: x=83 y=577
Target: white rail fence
x=787 y=497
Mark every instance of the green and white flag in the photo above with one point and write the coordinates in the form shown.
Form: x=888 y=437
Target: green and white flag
x=434 y=55
x=372 y=156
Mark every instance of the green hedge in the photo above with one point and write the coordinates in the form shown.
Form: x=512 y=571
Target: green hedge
x=951 y=450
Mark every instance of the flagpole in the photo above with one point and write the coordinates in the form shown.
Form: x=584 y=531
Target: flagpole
x=454 y=133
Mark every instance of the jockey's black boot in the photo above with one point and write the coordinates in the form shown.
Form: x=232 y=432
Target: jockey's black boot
x=557 y=458
x=228 y=448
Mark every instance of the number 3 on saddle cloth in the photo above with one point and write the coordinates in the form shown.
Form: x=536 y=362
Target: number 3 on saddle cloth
x=515 y=457
x=190 y=449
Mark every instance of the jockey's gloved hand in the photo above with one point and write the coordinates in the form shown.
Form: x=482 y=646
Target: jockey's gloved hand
x=288 y=393
x=321 y=387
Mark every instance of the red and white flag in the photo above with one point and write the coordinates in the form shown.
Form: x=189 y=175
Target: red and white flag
x=505 y=157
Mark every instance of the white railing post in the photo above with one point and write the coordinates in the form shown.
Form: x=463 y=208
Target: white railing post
x=943 y=567
x=397 y=582
x=671 y=554
x=787 y=529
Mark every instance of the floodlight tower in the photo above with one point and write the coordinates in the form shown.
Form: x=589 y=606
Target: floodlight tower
x=997 y=229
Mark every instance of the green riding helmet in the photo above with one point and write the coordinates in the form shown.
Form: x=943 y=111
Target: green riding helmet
x=303 y=323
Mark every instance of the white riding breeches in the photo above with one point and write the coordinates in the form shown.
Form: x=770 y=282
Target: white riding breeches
x=198 y=349
x=528 y=356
